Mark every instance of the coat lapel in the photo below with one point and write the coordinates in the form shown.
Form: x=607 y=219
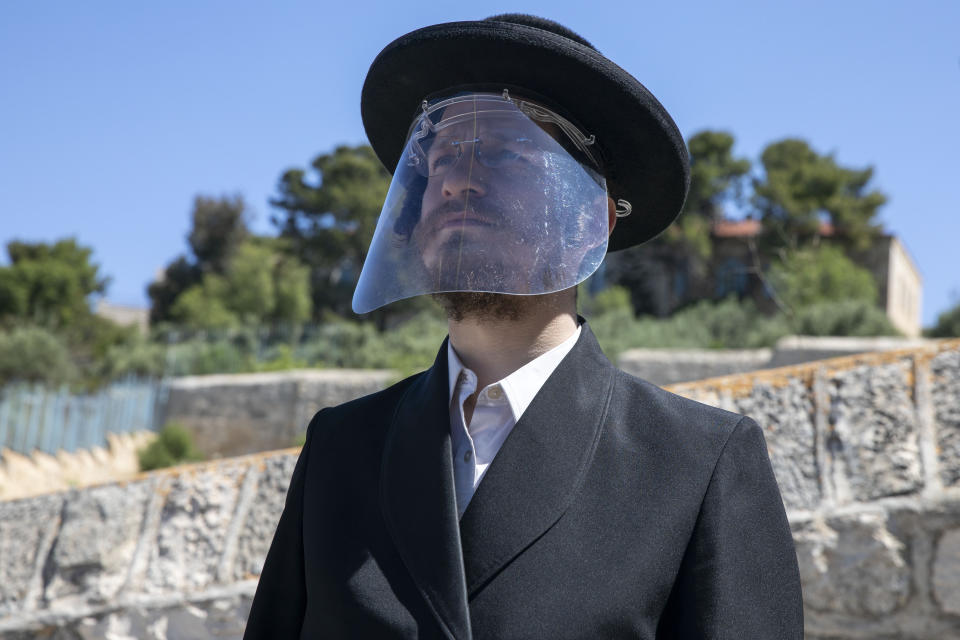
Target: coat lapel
x=418 y=500
x=533 y=478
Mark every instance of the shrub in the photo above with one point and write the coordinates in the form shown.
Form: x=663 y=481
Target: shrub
x=847 y=318
x=35 y=354
x=728 y=324
x=197 y=357
x=948 y=324
x=139 y=357
x=811 y=276
x=280 y=358
x=610 y=300
x=174 y=445
x=412 y=347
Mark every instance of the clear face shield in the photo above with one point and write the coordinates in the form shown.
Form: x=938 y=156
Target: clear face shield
x=492 y=194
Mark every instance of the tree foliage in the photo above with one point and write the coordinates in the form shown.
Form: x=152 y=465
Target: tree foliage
x=801 y=190
x=180 y=275
x=261 y=284
x=716 y=178
x=218 y=228
x=329 y=216
x=50 y=285
x=233 y=277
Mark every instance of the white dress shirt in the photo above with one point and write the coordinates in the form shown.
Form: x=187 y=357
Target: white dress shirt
x=499 y=406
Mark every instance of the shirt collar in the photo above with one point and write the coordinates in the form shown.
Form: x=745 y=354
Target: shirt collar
x=521 y=386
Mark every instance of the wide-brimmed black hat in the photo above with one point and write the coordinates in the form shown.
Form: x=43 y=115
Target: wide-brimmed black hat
x=643 y=153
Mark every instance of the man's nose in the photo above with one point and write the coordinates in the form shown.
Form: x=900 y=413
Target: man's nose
x=465 y=177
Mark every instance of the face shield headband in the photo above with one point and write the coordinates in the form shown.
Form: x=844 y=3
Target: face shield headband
x=492 y=194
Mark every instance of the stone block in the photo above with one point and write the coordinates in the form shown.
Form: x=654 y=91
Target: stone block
x=193 y=528
x=786 y=416
x=232 y=415
x=235 y=416
x=669 y=366
x=945 y=375
x=260 y=524
x=222 y=617
x=27 y=527
x=852 y=564
x=98 y=536
x=874 y=443
x=946 y=572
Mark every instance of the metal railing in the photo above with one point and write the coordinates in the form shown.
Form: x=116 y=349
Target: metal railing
x=34 y=417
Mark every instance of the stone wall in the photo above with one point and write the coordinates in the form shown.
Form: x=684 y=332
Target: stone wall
x=866 y=450
x=866 y=453
x=169 y=554
x=237 y=414
x=670 y=366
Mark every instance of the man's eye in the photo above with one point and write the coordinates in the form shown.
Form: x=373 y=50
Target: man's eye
x=503 y=157
x=443 y=161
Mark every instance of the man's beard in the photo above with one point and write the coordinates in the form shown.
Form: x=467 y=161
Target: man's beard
x=476 y=305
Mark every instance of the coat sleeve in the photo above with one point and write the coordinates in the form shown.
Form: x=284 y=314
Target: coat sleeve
x=739 y=577
x=281 y=598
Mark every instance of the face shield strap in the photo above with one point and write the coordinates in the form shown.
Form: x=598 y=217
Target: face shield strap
x=542 y=114
x=424 y=126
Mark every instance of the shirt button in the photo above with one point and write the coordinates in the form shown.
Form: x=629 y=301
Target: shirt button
x=467 y=456
x=494 y=393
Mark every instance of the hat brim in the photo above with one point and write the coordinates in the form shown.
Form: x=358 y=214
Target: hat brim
x=644 y=155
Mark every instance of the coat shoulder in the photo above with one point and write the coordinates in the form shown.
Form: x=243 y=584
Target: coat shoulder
x=691 y=430
x=371 y=409
x=671 y=408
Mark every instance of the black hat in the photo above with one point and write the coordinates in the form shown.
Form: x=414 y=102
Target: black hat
x=643 y=153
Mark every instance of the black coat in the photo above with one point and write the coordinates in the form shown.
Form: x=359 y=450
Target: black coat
x=614 y=510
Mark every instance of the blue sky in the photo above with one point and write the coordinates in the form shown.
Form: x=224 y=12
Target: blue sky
x=114 y=115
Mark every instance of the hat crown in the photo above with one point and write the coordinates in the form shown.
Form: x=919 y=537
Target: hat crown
x=528 y=20
x=644 y=155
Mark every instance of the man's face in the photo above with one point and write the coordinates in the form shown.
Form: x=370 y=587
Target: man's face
x=488 y=202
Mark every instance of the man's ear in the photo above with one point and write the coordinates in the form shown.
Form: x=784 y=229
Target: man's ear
x=611 y=214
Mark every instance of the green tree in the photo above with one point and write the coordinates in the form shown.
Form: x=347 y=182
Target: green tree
x=233 y=277
x=45 y=301
x=218 y=228
x=260 y=284
x=716 y=178
x=204 y=305
x=179 y=276
x=251 y=291
x=801 y=190
x=293 y=303
x=49 y=284
x=329 y=218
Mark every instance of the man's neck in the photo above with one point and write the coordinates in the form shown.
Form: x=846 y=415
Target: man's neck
x=493 y=348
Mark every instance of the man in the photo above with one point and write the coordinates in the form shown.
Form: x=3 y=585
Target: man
x=522 y=487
